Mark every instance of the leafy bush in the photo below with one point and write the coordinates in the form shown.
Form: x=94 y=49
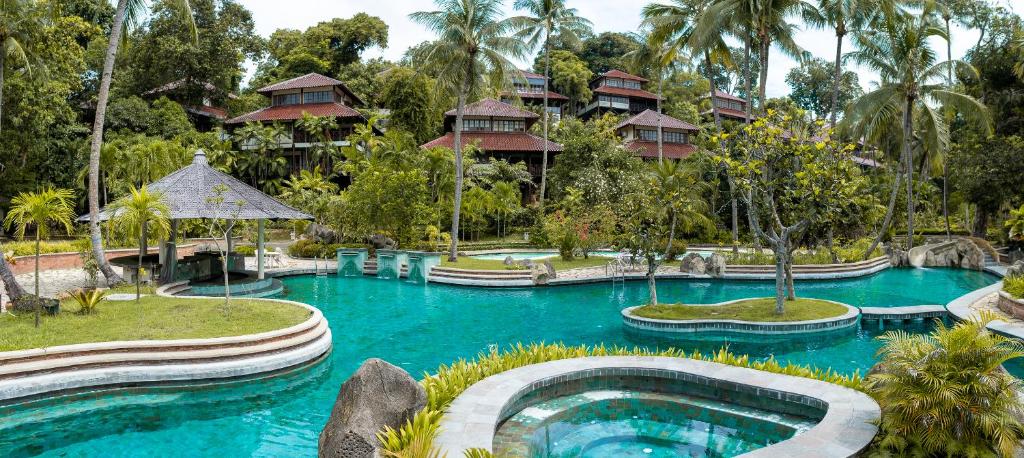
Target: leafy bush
x=88 y=299
x=946 y=393
x=848 y=253
x=1014 y=286
x=309 y=249
x=28 y=248
x=246 y=250
x=451 y=380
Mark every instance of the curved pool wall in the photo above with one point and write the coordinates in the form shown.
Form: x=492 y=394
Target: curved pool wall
x=519 y=255
x=418 y=327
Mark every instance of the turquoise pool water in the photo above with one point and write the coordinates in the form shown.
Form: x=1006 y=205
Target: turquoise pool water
x=418 y=327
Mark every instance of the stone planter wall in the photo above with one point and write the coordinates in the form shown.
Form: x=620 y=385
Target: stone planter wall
x=71 y=260
x=846 y=320
x=1011 y=306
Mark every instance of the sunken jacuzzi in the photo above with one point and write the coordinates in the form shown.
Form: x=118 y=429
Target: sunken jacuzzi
x=656 y=407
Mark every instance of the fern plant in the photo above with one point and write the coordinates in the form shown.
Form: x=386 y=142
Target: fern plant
x=946 y=393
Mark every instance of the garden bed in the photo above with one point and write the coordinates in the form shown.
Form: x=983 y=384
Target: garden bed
x=759 y=309
x=152 y=318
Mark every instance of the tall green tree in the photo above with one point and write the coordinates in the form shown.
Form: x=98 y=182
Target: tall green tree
x=605 y=51
x=127 y=13
x=473 y=43
x=899 y=50
x=813 y=87
x=414 y=104
x=571 y=78
x=20 y=24
x=41 y=210
x=141 y=215
x=547 y=18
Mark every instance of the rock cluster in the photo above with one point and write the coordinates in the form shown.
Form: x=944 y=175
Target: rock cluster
x=715 y=265
x=1016 y=270
x=961 y=253
x=695 y=264
x=378 y=394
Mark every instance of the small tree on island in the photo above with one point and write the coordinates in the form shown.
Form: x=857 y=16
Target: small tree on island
x=644 y=227
x=141 y=215
x=220 y=227
x=791 y=175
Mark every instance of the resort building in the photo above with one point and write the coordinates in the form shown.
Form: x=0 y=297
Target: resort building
x=618 y=92
x=529 y=88
x=501 y=131
x=315 y=94
x=640 y=134
x=198 y=99
x=730 y=107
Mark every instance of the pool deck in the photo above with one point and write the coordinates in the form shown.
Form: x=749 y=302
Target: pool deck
x=845 y=430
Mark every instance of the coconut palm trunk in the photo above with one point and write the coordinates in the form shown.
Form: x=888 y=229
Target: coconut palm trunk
x=837 y=75
x=889 y=210
x=908 y=132
x=544 y=157
x=732 y=184
x=102 y=97
x=762 y=85
x=661 y=144
x=945 y=159
x=453 y=250
x=3 y=57
x=747 y=80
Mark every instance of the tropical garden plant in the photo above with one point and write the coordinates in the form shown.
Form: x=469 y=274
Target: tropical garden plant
x=946 y=393
x=141 y=215
x=1015 y=223
x=40 y=210
x=88 y=299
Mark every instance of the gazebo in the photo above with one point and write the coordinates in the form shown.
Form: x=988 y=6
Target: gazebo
x=189 y=191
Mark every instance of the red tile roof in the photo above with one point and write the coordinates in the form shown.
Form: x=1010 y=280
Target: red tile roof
x=491 y=107
x=536 y=95
x=621 y=74
x=307 y=80
x=291 y=112
x=497 y=141
x=649 y=118
x=527 y=74
x=729 y=113
x=728 y=96
x=206 y=110
x=670 y=150
x=639 y=93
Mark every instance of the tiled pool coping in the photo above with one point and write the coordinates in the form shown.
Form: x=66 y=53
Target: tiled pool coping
x=845 y=320
x=845 y=429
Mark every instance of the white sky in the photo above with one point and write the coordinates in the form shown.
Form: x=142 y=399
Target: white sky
x=607 y=15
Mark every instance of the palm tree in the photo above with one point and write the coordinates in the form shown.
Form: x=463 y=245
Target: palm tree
x=472 y=43
x=141 y=215
x=20 y=23
x=660 y=54
x=41 y=209
x=126 y=13
x=899 y=52
x=681 y=189
x=547 y=18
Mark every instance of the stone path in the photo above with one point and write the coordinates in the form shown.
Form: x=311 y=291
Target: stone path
x=55 y=282
x=988 y=303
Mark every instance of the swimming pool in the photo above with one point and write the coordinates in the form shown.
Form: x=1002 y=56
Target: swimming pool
x=418 y=327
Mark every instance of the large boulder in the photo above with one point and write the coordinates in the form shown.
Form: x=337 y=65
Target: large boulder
x=551 y=270
x=322 y=234
x=693 y=264
x=897 y=257
x=382 y=242
x=539 y=274
x=715 y=265
x=378 y=394
x=961 y=252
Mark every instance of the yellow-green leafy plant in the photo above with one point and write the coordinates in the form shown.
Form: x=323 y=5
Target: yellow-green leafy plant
x=1014 y=286
x=477 y=453
x=88 y=300
x=1015 y=223
x=449 y=381
x=947 y=394
x=417 y=434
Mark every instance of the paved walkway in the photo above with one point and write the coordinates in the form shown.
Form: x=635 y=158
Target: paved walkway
x=54 y=282
x=988 y=303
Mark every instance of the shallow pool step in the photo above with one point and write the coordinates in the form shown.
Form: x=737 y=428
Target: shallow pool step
x=911 y=312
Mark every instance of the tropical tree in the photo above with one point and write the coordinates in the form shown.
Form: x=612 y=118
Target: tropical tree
x=51 y=206
x=899 y=51
x=20 y=24
x=680 y=189
x=127 y=13
x=946 y=393
x=1015 y=223
x=141 y=215
x=547 y=18
x=472 y=43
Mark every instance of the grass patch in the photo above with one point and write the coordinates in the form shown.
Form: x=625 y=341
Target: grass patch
x=152 y=318
x=760 y=309
x=466 y=262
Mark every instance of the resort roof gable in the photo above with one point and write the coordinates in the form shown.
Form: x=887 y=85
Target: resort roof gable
x=649 y=118
x=491 y=107
x=306 y=81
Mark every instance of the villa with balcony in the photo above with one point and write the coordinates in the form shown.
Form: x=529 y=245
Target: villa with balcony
x=199 y=99
x=501 y=131
x=640 y=135
x=618 y=92
x=529 y=88
x=315 y=94
x=730 y=107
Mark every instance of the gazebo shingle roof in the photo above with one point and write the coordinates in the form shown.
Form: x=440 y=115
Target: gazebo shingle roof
x=188 y=190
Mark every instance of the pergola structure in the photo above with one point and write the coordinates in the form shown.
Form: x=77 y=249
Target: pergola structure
x=191 y=193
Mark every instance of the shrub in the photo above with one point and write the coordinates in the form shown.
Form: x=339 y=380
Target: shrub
x=946 y=393
x=306 y=248
x=246 y=250
x=1014 y=286
x=88 y=299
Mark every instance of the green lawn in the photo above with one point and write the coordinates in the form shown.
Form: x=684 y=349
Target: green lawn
x=559 y=264
x=759 y=309
x=152 y=318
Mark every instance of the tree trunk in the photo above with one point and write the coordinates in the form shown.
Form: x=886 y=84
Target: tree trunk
x=138 y=267
x=837 y=77
x=718 y=126
x=544 y=157
x=39 y=303
x=459 y=111
x=3 y=57
x=661 y=147
x=746 y=77
x=762 y=85
x=790 y=290
x=14 y=290
x=671 y=235
x=830 y=242
x=780 y=274
x=224 y=266
x=888 y=213
x=945 y=196
x=908 y=132
x=113 y=279
x=652 y=288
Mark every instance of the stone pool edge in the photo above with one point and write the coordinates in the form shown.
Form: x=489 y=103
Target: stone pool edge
x=846 y=429
x=67 y=368
x=846 y=320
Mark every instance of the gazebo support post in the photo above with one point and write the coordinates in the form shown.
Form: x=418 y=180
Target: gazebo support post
x=260 y=249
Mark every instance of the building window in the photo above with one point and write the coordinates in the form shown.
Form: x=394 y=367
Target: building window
x=613 y=82
x=651 y=135
x=509 y=125
x=631 y=84
x=476 y=124
x=612 y=99
x=317 y=97
x=286 y=99
x=729 y=104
